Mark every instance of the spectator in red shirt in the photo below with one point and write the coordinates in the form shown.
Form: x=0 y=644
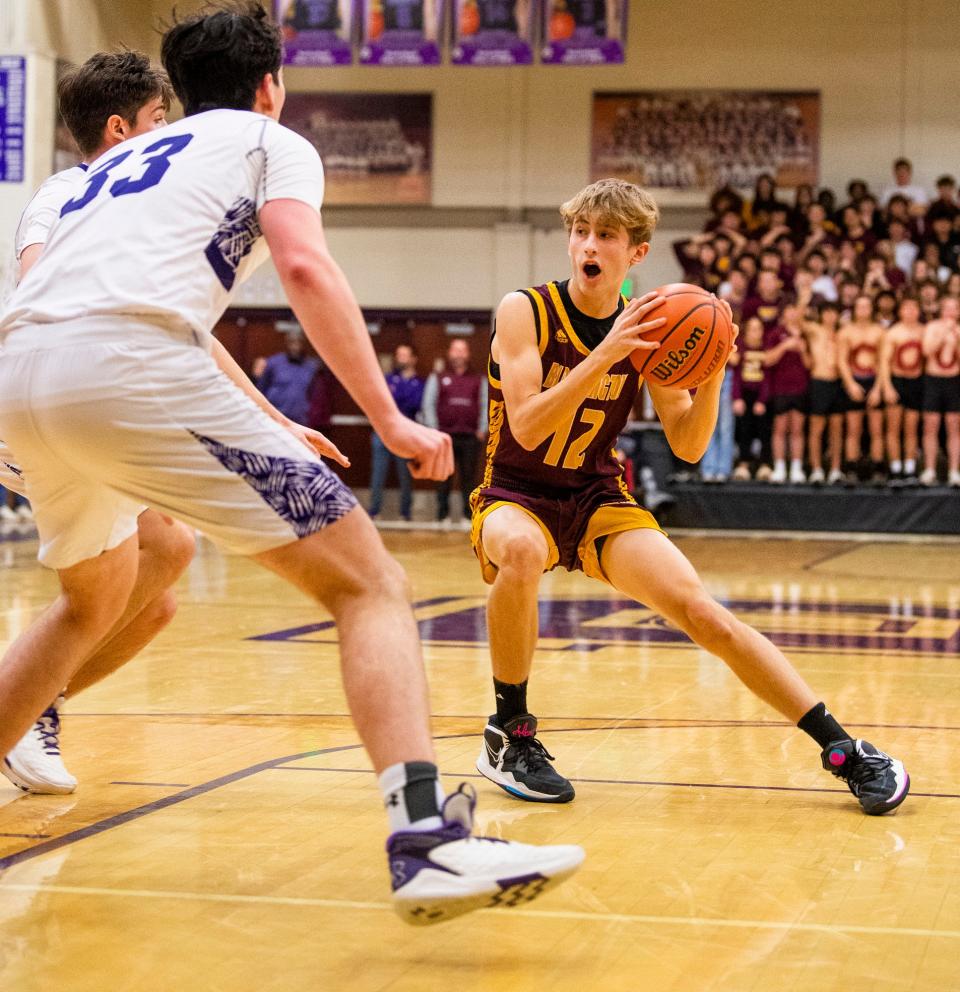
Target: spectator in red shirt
x=750 y=392
x=768 y=301
x=788 y=361
x=455 y=401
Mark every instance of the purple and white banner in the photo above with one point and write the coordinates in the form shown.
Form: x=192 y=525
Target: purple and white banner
x=584 y=32
x=13 y=117
x=401 y=32
x=492 y=32
x=316 y=32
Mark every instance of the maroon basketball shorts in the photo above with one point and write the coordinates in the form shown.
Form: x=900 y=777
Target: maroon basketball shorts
x=571 y=521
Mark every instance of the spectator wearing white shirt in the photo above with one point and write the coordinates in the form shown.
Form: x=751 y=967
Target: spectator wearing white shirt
x=904 y=185
x=905 y=251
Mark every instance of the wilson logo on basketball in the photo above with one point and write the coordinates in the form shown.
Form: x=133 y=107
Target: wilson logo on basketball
x=675 y=360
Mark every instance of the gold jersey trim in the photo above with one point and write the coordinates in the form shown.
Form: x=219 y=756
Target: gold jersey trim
x=497 y=414
x=565 y=319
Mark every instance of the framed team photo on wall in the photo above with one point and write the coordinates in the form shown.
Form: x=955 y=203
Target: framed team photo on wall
x=704 y=139
x=376 y=147
x=316 y=32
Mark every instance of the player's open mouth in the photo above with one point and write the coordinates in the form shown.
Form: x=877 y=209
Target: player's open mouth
x=591 y=270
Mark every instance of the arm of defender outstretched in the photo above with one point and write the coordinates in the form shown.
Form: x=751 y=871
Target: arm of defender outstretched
x=321 y=298
x=535 y=414
x=313 y=440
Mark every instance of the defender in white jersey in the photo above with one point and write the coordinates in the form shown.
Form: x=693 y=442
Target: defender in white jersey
x=108 y=390
x=111 y=97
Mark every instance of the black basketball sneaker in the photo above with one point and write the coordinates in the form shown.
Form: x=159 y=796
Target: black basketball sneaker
x=514 y=759
x=880 y=782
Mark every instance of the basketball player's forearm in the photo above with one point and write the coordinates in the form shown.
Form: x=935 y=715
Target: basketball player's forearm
x=541 y=414
x=324 y=303
x=691 y=432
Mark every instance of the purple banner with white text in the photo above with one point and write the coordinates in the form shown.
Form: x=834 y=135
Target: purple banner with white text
x=13 y=117
x=584 y=32
x=492 y=32
x=401 y=32
x=316 y=32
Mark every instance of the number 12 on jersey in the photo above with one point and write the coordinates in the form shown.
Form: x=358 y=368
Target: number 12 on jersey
x=156 y=167
x=593 y=419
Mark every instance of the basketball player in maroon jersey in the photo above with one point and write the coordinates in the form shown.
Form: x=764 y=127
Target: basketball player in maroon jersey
x=858 y=359
x=561 y=388
x=941 y=392
x=901 y=375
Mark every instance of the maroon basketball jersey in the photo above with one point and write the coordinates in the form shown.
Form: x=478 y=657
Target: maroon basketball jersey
x=581 y=451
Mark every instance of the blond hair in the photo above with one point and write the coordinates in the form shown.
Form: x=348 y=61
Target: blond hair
x=617 y=203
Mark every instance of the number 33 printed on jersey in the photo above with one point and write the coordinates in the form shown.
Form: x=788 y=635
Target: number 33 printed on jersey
x=156 y=165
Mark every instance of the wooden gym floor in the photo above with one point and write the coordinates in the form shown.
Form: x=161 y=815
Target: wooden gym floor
x=227 y=834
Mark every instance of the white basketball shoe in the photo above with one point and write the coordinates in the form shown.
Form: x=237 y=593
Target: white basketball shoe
x=34 y=764
x=443 y=873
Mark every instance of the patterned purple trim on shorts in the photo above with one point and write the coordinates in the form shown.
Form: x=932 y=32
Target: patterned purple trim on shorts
x=306 y=494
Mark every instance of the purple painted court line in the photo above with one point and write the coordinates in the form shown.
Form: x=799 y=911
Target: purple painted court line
x=159 y=785
x=26 y=836
x=296 y=632
x=128 y=816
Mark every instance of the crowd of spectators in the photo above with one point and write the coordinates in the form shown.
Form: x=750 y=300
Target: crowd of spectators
x=848 y=368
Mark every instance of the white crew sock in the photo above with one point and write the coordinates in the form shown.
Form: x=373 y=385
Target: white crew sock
x=412 y=795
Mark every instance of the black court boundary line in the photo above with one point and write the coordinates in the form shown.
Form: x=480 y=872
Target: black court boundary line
x=128 y=816
x=648 y=722
x=810 y=565
x=894 y=654
x=634 y=781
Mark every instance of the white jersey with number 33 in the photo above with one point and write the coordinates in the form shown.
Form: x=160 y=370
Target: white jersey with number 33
x=165 y=225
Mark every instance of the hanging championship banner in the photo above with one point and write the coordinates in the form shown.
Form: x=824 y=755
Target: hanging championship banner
x=401 y=32
x=316 y=32
x=584 y=32
x=492 y=32
x=13 y=118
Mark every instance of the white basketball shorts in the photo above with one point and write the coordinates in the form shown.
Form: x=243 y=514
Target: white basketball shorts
x=108 y=414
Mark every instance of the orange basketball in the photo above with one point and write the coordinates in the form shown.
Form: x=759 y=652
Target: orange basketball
x=694 y=342
x=469 y=19
x=562 y=26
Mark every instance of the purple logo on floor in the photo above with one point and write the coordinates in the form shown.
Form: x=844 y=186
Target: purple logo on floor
x=593 y=624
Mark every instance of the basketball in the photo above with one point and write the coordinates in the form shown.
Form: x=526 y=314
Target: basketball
x=695 y=340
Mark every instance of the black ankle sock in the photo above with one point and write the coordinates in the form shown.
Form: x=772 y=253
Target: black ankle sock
x=420 y=790
x=511 y=699
x=822 y=727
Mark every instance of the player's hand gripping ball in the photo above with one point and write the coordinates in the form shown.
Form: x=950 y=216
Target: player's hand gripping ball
x=694 y=342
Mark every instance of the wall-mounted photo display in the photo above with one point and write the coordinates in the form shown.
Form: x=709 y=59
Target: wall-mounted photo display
x=492 y=32
x=376 y=147
x=583 y=32
x=316 y=32
x=704 y=139
x=401 y=32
